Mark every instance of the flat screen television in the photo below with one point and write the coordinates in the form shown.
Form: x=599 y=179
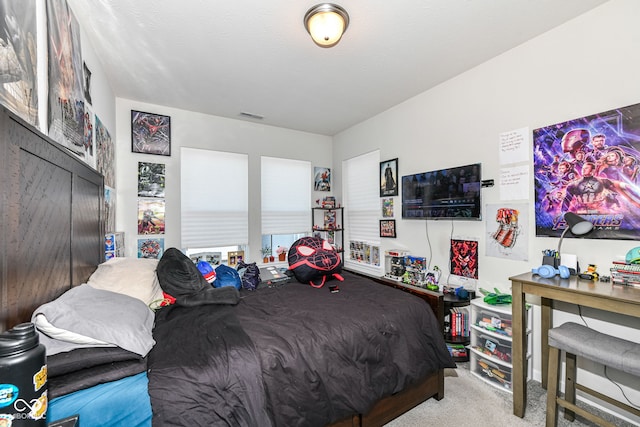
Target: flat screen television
x=452 y=193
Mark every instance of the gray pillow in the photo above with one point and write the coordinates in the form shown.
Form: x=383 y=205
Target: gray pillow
x=105 y=316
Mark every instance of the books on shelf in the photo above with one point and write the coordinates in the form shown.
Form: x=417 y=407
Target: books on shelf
x=459 y=321
x=457 y=350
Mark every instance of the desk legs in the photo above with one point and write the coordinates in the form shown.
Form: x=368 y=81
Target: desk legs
x=546 y=322
x=519 y=349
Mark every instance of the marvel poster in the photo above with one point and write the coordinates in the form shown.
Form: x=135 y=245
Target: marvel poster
x=66 y=96
x=463 y=258
x=589 y=166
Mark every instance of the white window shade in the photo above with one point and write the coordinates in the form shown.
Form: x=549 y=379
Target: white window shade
x=285 y=195
x=362 y=197
x=214 y=194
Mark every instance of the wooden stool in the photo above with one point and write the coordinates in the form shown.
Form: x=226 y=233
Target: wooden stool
x=578 y=340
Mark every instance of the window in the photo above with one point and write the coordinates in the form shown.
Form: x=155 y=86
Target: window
x=286 y=201
x=362 y=205
x=214 y=193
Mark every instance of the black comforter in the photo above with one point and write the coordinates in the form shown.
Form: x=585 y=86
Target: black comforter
x=290 y=355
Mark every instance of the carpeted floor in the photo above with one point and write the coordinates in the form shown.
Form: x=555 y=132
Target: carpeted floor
x=470 y=402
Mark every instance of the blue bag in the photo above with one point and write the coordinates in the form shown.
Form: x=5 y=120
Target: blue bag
x=227 y=276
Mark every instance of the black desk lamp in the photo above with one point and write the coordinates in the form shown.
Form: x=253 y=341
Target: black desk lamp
x=578 y=226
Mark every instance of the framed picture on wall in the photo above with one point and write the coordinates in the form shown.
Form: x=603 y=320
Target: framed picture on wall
x=150 y=133
x=387 y=228
x=389 y=178
x=322 y=179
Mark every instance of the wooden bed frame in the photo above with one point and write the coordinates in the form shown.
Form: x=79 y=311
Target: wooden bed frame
x=432 y=386
x=52 y=228
x=50 y=218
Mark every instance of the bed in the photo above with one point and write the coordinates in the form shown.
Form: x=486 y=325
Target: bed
x=281 y=355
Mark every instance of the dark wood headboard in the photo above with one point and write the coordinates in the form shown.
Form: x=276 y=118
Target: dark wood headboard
x=51 y=220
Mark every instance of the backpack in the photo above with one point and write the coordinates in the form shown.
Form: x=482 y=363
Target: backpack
x=227 y=276
x=249 y=274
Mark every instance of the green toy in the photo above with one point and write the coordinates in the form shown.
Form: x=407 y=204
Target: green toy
x=495 y=298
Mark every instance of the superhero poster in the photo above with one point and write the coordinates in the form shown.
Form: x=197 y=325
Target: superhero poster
x=464 y=258
x=589 y=166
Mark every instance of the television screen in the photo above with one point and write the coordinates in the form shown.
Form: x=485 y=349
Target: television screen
x=452 y=193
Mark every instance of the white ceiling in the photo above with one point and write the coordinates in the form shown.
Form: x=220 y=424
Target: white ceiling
x=227 y=57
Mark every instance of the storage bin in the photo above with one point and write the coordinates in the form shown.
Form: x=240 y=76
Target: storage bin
x=491 y=346
x=492 y=372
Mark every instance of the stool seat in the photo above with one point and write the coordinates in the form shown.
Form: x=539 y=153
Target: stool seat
x=579 y=341
x=611 y=351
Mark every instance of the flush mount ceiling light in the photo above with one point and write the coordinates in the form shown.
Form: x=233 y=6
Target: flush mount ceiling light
x=326 y=22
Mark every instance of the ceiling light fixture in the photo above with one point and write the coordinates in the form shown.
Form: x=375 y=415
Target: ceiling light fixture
x=325 y=23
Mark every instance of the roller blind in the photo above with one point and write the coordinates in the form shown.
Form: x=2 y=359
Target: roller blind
x=285 y=195
x=362 y=197
x=214 y=198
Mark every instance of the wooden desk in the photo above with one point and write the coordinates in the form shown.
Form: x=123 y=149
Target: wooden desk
x=602 y=296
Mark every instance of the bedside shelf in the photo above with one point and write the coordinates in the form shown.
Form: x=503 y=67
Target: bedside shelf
x=457 y=341
x=321 y=217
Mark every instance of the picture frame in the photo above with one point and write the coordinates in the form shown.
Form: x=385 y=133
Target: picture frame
x=151 y=179
x=321 y=179
x=234 y=258
x=388 y=228
x=387 y=207
x=151 y=248
x=389 y=178
x=150 y=133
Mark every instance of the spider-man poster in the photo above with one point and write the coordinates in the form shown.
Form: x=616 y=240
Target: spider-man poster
x=589 y=166
x=464 y=258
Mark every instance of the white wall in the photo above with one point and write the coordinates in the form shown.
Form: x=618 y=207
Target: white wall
x=102 y=97
x=586 y=66
x=189 y=129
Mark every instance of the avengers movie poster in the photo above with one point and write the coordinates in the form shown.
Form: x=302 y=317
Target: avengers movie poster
x=589 y=166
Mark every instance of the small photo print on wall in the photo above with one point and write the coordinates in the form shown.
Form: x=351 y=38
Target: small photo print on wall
x=389 y=178
x=105 y=153
x=387 y=228
x=151 y=216
x=150 y=248
x=150 y=133
x=151 y=179
x=322 y=179
x=387 y=207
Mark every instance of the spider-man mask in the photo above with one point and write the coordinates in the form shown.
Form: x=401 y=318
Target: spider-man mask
x=313 y=260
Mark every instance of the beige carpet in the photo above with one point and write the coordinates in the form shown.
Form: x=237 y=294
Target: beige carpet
x=470 y=402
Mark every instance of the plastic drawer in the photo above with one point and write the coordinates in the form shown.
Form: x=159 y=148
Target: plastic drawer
x=491 y=372
x=492 y=346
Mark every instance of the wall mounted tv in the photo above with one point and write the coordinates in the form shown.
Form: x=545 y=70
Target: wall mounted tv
x=452 y=193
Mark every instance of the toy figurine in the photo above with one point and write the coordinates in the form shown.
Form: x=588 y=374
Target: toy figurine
x=591 y=273
x=432 y=278
x=495 y=298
